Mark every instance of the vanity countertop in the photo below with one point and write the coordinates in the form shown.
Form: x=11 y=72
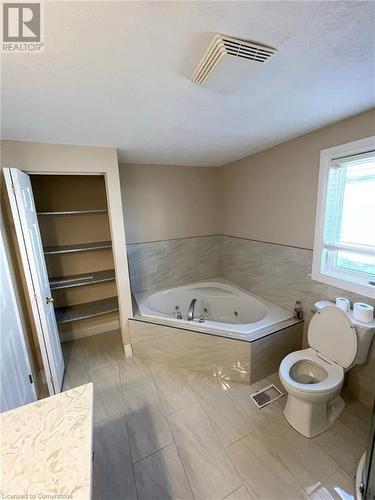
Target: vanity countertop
x=46 y=447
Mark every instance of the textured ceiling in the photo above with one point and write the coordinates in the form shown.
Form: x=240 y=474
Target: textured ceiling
x=117 y=74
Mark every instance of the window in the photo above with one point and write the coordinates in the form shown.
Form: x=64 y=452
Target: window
x=344 y=247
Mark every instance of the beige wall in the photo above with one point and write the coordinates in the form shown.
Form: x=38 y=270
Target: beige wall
x=271 y=196
x=65 y=159
x=165 y=202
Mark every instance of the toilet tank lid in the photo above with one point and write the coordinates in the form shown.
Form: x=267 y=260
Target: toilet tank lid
x=332 y=333
x=360 y=324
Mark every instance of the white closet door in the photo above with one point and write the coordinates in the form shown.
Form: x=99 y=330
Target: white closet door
x=31 y=249
x=16 y=383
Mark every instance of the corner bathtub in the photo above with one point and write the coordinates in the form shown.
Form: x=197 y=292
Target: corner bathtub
x=227 y=310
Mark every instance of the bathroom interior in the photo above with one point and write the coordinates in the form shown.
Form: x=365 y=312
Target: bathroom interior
x=188 y=260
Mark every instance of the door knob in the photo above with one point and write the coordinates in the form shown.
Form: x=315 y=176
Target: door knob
x=50 y=300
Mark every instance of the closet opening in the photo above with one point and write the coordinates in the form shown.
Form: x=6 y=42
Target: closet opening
x=69 y=233
x=76 y=237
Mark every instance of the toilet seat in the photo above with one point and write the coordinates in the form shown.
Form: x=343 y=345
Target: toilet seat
x=335 y=373
x=332 y=333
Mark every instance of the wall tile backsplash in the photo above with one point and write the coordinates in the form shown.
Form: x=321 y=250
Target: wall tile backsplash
x=277 y=273
x=161 y=264
x=280 y=274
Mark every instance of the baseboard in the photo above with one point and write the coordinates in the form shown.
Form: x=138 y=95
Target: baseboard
x=80 y=332
x=41 y=385
x=42 y=377
x=128 y=348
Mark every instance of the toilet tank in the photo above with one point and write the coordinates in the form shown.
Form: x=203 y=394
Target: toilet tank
x=365 y=333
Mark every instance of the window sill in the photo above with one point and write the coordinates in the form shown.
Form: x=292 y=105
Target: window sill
x=349 y=286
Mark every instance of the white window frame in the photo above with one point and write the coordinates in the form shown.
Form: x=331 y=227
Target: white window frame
x=327 y=156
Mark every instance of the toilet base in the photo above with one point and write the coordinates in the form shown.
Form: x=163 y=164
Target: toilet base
x=312 y=419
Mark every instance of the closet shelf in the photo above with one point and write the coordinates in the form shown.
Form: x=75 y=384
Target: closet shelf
x=77 y=312
x=81 y=247
x=82 y=279
x=75 y=212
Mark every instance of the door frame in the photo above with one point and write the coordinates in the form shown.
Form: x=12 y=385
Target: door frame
x=61 y=159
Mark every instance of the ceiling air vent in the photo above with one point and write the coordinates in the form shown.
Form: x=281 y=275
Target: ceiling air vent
x=236 y=57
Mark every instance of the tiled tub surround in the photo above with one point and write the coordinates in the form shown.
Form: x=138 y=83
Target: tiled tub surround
x=278 y=273
x=221 y=357
x=161 y=264
x=281 y=274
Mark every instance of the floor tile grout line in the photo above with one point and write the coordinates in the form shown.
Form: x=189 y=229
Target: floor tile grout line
x=234 y=465
x=328 y=452
x=161 y=404
x=154 y=452
x=143 y=381
x=275 y=456
x=234 y=491
x=102 y=364
x=183 y=468
x=105 y=365
x=285 y=464
x=213 y=430
x=278 y=460
x=130 y=449
x=159 y=397
x=178 y=451
x=197 y=402
x=239 y=439
x=219 y=442
x=170 y=430
x=162 y=412
x=183 y=408
x=209 y=419
x=123 y=417
x=323 y=481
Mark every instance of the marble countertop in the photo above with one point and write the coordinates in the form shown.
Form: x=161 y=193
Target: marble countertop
x=46 y=447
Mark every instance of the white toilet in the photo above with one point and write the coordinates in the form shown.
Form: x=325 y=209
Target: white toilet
x=313 y=377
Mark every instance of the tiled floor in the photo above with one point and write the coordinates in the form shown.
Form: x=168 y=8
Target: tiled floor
x=163 y=433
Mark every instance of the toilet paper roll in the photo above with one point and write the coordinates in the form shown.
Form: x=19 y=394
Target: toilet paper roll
x=363 y=312
x=343 y=303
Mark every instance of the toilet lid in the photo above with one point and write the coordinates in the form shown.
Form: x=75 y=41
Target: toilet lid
x=332 y=333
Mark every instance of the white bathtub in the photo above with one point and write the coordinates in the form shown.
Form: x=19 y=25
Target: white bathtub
x=227 y=310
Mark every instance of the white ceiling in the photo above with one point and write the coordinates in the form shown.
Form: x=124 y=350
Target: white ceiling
x=117 y=74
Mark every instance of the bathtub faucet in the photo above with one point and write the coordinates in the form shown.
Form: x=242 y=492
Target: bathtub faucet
x=190 y=313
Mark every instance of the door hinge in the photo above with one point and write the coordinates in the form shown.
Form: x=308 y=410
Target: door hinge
x=13 y=188
x=35 y=297
x=31 y=379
